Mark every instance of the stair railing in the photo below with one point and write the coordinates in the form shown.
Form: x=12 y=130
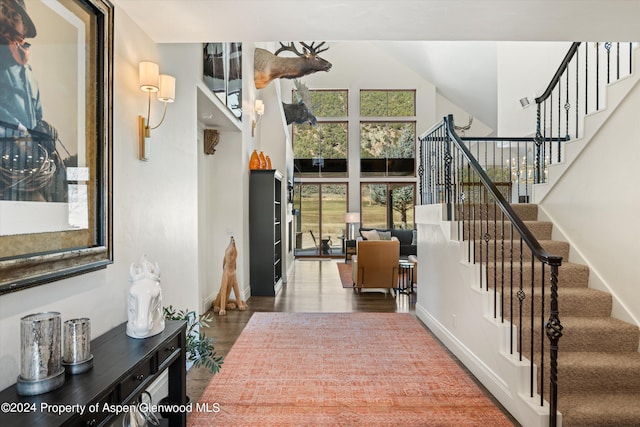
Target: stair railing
x=497 y=240
x=576 y=90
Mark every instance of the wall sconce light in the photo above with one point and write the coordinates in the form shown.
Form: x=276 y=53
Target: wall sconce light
x=152 y=81
x=525 y=103
x=259 y=109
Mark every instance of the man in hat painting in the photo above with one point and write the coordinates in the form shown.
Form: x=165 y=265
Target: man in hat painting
x=24 y=135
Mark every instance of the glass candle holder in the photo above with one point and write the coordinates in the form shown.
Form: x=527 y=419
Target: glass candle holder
x=77 y=335
x=40 y=353
x=77 y=352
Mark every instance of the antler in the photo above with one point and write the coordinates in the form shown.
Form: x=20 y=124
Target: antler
x=314 y=50
x=310 y=50
x=302 y=92
x=290 y=48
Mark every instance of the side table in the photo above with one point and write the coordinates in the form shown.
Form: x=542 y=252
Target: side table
x=349 y=249
x=405 y=278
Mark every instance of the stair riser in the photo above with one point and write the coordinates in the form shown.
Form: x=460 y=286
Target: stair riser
x=604 y=379
x=584 y=339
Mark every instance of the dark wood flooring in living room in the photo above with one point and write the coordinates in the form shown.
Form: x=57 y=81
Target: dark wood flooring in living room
x=313 y=287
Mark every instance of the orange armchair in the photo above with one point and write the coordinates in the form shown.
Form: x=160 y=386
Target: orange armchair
x=376 y=264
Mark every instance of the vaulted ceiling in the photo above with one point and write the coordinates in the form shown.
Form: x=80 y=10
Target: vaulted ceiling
x=412 y=25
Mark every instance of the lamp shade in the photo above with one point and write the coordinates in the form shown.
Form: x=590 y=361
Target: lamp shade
x=167 y=92
x=259 y=107
x=148 y=73
x=352 y=217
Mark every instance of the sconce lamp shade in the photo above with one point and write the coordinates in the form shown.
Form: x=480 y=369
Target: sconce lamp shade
x=524 y=102
x=167 y=92
x=352 y=217
x=259 y=107
x=148 y=75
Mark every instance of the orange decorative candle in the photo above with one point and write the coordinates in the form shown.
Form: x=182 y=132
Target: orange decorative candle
x=263 y=161
x=254 y=162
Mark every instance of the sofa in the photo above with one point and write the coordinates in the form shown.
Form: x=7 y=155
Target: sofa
x=407 y=238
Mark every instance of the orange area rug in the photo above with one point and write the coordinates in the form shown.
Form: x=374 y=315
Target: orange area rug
x=342 y=369
x=345 y=274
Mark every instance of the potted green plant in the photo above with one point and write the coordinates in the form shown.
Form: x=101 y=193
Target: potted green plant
x=199 y=348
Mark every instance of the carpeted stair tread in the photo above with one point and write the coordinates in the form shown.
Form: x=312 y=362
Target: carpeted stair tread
x=599 y=409
x=570 y=275
x=607 y=372
x=598 y=361
x=598 y=334
x=540 y=229
x=493 y=250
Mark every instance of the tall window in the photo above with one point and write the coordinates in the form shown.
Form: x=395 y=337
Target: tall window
x=387 y=205
x=387 y=133
x=321 y=150
x=320 y=219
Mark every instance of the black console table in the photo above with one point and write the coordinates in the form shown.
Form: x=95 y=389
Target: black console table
x=123 y=368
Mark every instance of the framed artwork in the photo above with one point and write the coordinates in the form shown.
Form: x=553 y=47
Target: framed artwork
x=56 y=81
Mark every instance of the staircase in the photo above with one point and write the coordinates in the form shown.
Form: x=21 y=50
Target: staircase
x=598 y=359
x=498 y=327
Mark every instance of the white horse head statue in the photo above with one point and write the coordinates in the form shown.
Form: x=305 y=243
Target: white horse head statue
x=144 y=302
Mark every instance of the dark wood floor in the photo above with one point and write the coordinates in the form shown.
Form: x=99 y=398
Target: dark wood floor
x=313 y=287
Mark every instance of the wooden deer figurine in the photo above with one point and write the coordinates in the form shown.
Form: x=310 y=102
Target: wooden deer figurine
x=268 y=66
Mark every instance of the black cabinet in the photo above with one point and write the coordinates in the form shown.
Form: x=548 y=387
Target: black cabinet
x=123 y=367
x=265 y=232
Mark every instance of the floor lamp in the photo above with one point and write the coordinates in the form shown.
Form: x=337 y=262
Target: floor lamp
x=351 y=219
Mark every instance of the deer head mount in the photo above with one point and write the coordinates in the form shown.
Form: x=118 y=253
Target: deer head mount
x=301 y=111
x=268 y=66
x=463 y=129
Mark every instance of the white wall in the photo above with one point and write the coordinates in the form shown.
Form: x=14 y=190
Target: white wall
x=596 y=204
x=221 y=183
x=453 y=307
x=524 y=70
x=353 y=65
x=444 y=107
x=155 y=205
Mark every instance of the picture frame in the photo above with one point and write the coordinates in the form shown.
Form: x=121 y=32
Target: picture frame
x=60 y=224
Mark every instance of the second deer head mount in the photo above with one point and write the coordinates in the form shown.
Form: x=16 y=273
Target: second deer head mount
x=268 y=66
x=301 y=111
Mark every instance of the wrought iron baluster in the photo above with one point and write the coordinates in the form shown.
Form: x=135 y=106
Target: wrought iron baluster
x=542 y=336
x=502 y=268
x=511 y=288
x=554 y=332
x=577 y=89
x=495 y=257
x=521 y=297
x=597 y=76
x=533 y=318
x=567 y=107
x=586 y=79
x=617 y=60
x=607 y=46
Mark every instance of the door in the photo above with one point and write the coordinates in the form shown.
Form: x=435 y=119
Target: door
x=319 y=211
